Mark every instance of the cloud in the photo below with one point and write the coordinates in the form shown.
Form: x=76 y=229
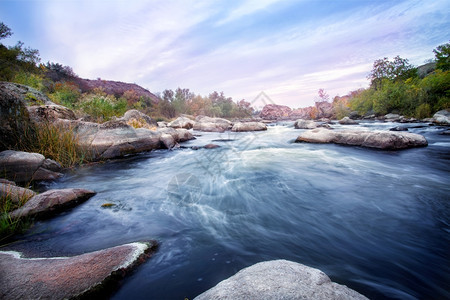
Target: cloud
x=247 y=8
x=289 y=49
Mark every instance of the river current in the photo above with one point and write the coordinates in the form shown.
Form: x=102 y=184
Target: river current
x=376 y=221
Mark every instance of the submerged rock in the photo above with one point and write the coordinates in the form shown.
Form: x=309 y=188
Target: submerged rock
x=52 y=202
x=249 y=126
x=399 y=128
x=347 y=121
x=90 y=275
x=21 y=166
x=389 y=140
x=279 y=279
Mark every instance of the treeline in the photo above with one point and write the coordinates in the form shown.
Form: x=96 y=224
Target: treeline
x=399 y=87
x=182 y=101
x=22 y=65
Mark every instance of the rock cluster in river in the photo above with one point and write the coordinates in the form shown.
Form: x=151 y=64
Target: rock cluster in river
x=279 y=279
x=88 y=276
x=389 y=140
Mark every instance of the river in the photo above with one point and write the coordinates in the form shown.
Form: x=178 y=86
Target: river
x=376 y=221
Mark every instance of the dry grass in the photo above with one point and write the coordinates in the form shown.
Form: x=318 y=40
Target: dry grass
x=55 y=142
x=140 y=123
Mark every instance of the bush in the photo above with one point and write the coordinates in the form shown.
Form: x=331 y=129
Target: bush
x=423 y=111
x=103 y=107
x=66 y=94
x=30 y=79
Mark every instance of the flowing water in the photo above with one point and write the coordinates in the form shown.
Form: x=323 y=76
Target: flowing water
x=376 y=221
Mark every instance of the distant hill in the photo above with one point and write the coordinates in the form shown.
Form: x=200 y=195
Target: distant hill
x=116 y=88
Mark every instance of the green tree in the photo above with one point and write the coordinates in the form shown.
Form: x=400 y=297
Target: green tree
x=5 y=31
x=397 y=70
x=442 y=54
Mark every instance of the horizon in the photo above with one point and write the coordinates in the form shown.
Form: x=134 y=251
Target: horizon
x=286 y=49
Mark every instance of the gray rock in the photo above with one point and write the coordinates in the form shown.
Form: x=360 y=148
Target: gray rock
x=399 y=128
x=279 y=279
x=182 y=122
x=389 y=140
x=21 y=166
x=212 y=124
x=15 y=120
x=17 y=194
x=52 y=202
x=85 y=276
x=162 y=124
x=392 y=117
x=249 y=126
x=347 y=121
x=305 y=124
x=442 y=117
x=139 y=117
x=50 y=113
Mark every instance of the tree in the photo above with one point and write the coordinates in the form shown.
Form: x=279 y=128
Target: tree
x=323 y=96
x=397 y=70
x=442 y=53
x=5 y=31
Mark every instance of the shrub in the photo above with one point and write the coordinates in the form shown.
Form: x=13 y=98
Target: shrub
x=423 y=111
x=65 y=93
x=30 y=79
x=102 y=107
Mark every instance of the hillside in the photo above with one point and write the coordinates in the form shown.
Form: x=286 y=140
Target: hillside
x=116 y=88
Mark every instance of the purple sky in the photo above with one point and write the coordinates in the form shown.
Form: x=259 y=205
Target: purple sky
x=288 y=49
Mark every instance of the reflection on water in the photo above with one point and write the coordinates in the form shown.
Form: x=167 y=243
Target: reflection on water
x=376 y=221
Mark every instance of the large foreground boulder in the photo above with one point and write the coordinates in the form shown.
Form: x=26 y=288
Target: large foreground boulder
x=389 y=140
x=279 y=279
x=15 y=120
x=204 y=123
x=21 y=166
x=249 y=126
x=52 y=202
x=90 y=275
x=116 y=138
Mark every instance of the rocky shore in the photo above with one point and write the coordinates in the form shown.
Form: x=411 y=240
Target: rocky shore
x=135 y=132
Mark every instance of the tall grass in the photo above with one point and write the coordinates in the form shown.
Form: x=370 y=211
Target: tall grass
x=8 y=225
x=56 y=142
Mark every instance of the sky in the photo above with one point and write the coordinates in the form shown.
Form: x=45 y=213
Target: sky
x=286 y=49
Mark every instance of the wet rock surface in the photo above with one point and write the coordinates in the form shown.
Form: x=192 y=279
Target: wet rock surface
x=248 y=126
x=86 y=276
x=52 y=202
x=389 y=140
